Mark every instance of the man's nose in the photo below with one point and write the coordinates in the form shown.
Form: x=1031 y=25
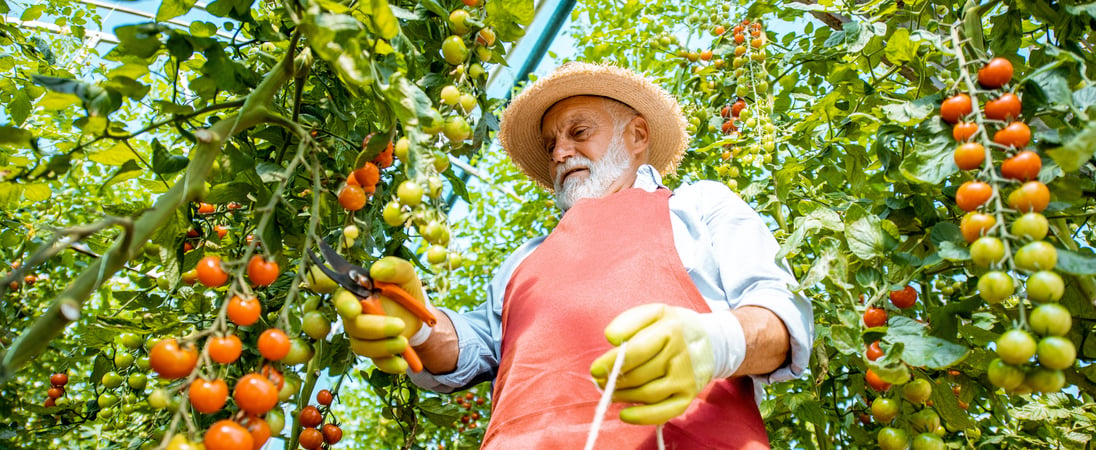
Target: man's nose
x=562 y=151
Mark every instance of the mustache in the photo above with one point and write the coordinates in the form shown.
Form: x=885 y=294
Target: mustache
x=575 y=161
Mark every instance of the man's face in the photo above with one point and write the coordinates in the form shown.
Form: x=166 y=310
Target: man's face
x=587 y=155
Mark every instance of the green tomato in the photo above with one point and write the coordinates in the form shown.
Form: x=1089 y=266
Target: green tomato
x=884 y=409
x=476 y=70
x=434 y=123
x=1051 y=319
x=1045 y=380
x=457 y=129
x=393 y=215
x=137 y=381
x=925 y=420
x=458 y=19
x=410 y=193
x=315 y=325
x=1032 y=225
x=143 y=363
x=1038 y=255
x=112 y=380
x=106 y=400
x=436 y=233
x=300 y=352
x=1045 y=286
x=890 y=438
x=928 y=441
x=351 y=231
x=987 y=251
x=401 y=148
x=130 y=340
x=275 y=419
x=290 y=388
x=1004 y=375
x=160 y=399
x=436 y=254
x=467 y=102
x=450 y=95
x=917 y=391
x=319 y=282
x=994 y=287
x=453 y=50
x=123 y=360
x=1056 y=353
x=1016 y=347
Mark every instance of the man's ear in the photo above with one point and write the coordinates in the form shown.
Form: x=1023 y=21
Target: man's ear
x=637 y=138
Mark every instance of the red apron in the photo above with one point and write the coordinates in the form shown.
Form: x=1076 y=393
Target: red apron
x=606 y=256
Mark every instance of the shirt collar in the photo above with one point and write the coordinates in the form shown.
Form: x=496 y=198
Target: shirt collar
x=647 y=178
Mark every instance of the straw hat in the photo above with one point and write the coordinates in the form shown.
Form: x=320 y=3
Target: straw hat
x=520 y=131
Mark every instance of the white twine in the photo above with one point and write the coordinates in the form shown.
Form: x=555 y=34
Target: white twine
x=603 y=403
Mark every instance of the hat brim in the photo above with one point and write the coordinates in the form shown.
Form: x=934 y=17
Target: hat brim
x=520 y=133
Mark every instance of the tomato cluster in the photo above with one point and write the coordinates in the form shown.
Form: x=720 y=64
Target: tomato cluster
x=473 y=406
x=314 y=432
x=1023 y=364
x=56 y=390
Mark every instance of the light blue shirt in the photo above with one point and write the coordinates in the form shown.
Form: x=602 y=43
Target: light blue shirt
x=724 y=245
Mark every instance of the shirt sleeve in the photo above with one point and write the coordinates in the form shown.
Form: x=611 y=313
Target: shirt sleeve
x=745 y=251
x=479 y=333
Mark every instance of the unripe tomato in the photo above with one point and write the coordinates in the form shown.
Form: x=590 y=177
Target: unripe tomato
x=973 y=194
x=1004 y=375
x=969 y=156
x=1056 y=353
x=1005 y=107
x=875 y=317
x=457 y=129
x=928 y=441
x=1023 y=166
x=276 y=420
x=987 y=251
x=457 y=20
x=393 y=215
x=208 y=396
x=904 y=298
x=884 y=409
x=160 y=399
x=315 y=325
x=1031 y=226
x=300 y=352
x=917 y=391
x=137 y=381
x=1045 y=286
x=410 y=193
x=1037 y=255
x=210 y=272
x=453 y=50
x=890 y=438
x=955 y=108
x=436 y=254
x=995 y=286
x=963 y=131
x=996 y=73
x=111 y=380
x=1051 y=319
x=925 y=420
x=1015 y=134
x=1045 y=380
x=122 y=360
x=131 y=340
x=1016 y=347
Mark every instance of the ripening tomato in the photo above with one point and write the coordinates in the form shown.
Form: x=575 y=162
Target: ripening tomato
x=244 y=311
x=210 y=272
x=1032 y=226
x=737 y=107
x=963 y=131
x=171 y=361
x=955 y=108
x=261 y=271
x=208 y=396
x=1023 y=166
x=1032 y=196
x=987 y=251
x=884 y=409
x=874 y=351
x=975 y=224
x=874 y=382
x=274 y=344
x=1005 y=107
x=255 y=394
x=996 y=73
x=225 y=349
x=227 y=435
x=917 y=391
x=352 y=198
x=1035 y=256
x=875 y=317
x=904 y=298
x=970 y=156
x=1015 y=134
x=1045 y=286
x=973 y=194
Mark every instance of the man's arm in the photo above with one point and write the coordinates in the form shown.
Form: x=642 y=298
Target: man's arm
x=767 y=342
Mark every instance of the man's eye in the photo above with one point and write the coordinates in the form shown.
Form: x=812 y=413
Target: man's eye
x=578 y=132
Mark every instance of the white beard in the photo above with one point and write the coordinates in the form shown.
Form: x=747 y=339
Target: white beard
x=595 y=184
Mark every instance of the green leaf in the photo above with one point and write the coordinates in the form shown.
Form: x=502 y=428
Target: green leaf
x=1075 y=263
x=507 y=17
x=130 y=169
x=170 y=9
x=908 y=114
x=164 y=162
x=141 y=40
x=56 y=101
x=900 y=48
x=33 y=13
x=19 y=107
x=946 y=405
x=15 y=136
x=381 y=20
x=406 y=99
x=865 y=237
x=1071 y=156
x=953 y=252
x=37 y=192
x=932 y=160
x=1054 y=85
x=229 y=192
x=920 y=349
x=127 y=86
x=113 y=156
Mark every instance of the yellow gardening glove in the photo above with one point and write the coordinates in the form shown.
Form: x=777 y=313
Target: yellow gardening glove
x=667 y=362
x=383 y=337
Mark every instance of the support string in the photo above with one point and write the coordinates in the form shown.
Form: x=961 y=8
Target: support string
x=606 y=396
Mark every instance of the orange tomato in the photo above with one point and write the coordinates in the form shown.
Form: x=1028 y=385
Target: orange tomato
x=1032 y=196
x=171 y=361
x=225 y=349
x=970 y=156
x=955 y=108
x=262 y=272
x=974 y=224
x=963 y=131
x=210 y=272
x=244 y=311
x=274 y=344
x=973 y=194
x=255 y=394
x=227 y=435
x=208 y=396
x=1015 y=134
x=1023 y=166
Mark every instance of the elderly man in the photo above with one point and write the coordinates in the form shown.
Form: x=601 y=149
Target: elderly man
x=686 y=280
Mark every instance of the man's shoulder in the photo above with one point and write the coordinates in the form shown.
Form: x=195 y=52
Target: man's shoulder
x=705 y=192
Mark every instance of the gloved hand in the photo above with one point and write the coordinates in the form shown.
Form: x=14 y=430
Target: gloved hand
x=383 y=338
x=670 y=357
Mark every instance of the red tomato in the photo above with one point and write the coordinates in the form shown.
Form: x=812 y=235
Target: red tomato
x=1024 y=166
x=874 y=351
x=904 y=298
x=875 y=382
x=955 y=108
x=996 y=73
x=1005 y=107
x=875 y=317
x=1015 y=134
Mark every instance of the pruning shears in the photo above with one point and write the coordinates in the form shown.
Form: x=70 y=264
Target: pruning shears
x=356 y=279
